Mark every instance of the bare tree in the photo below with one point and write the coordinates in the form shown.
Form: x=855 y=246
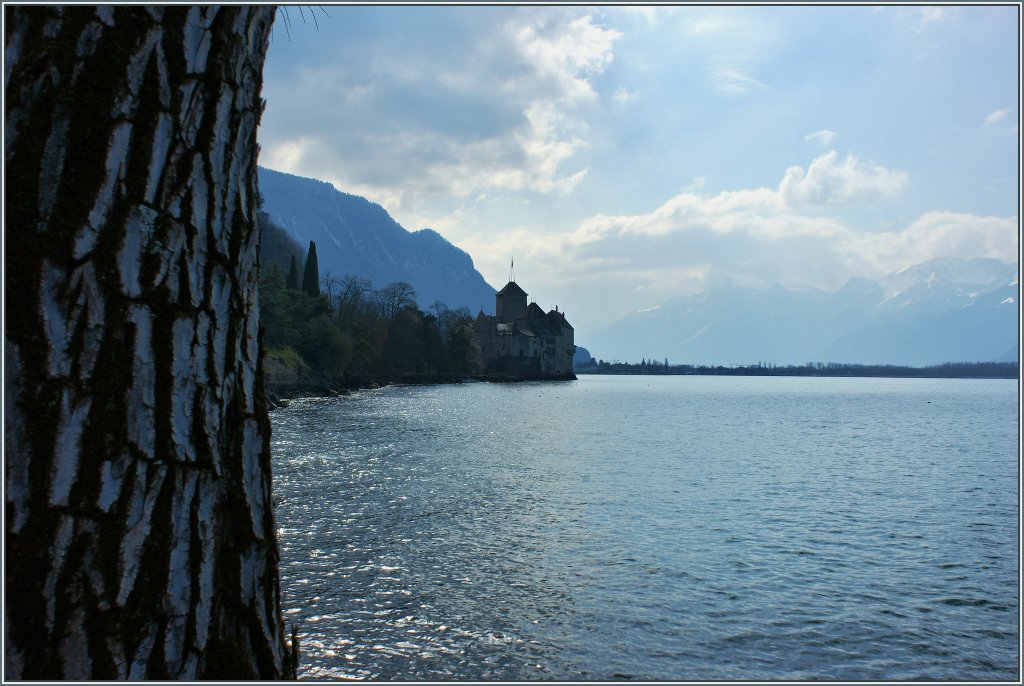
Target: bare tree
x=353 y=294
x=393 y=298
x=140 y=536
x=329 y=287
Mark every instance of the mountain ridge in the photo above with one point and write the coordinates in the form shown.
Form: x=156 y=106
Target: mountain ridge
x=359 y=237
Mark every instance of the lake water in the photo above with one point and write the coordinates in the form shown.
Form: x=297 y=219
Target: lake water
x=660 y=528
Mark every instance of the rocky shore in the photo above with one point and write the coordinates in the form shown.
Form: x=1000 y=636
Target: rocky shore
x=287 y=376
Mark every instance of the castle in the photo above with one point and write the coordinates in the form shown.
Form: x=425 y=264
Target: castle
x=522 y=339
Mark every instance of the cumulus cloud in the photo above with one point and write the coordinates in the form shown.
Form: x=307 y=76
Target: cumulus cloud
x=937 y=234
x=827 y=181
x=406 y=124
x=757 y=234
x=823 y=137
x=755 y=213
x=568 y=53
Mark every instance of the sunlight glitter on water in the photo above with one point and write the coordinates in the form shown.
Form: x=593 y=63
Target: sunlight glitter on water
x=681 y=529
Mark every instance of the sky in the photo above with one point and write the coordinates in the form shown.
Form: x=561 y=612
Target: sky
x=624 y=155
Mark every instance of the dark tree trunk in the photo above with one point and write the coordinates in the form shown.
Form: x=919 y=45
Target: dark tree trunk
x=140 y=536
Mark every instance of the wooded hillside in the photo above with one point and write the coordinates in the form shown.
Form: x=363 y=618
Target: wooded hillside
x=351 y=332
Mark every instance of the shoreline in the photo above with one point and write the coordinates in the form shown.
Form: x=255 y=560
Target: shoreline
x=311 y=384
x=946 y=370
x=814 y=374
x=314 y=385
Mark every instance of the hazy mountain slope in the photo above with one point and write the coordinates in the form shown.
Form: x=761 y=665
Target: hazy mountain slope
x=976 y=332
x=939 y=311
x=356 y=236
x=734 y=325
x=581 y=356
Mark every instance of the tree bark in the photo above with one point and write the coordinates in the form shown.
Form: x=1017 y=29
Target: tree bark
x=140 y=537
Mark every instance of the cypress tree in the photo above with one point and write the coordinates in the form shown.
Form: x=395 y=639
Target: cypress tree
x=293 y=275
x=311 y=275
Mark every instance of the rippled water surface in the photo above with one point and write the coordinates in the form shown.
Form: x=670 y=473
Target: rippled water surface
x=682 y=528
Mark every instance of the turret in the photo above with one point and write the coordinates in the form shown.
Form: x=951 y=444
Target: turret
x=509 y=302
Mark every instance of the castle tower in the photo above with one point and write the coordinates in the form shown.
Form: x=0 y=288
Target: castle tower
x=509 y=302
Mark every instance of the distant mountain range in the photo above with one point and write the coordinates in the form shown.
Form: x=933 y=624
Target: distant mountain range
x=945 y=310
x=356 y=236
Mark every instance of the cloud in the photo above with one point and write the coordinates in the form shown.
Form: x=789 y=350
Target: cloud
x=736 y=47
x=287 y=155
x=997 y=117
x=753 y=235
x=823 y=137
x=731 y=80
x=937 y=234
x=716 y=25
x=922 y=21
x=996 y=122
x=830 y=182
x=927 y=16
x=696 y=185
x=759 y=213
x=567 y=53
x=623 y=95
x=651 y=13
x=411 y=122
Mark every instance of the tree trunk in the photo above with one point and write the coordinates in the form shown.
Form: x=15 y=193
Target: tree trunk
x=140 y=535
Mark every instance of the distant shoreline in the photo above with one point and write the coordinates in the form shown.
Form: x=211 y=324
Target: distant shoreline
x=310 y=384
x=949 y=370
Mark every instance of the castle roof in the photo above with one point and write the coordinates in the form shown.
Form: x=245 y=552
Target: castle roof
x=481 y=318
x=534 y=311
x=512 y=288
x=558 y=319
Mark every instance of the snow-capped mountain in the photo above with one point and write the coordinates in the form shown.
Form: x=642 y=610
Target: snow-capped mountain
x=356 y=236
x=980 y=271
x=946 y=282
x=945 y=310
